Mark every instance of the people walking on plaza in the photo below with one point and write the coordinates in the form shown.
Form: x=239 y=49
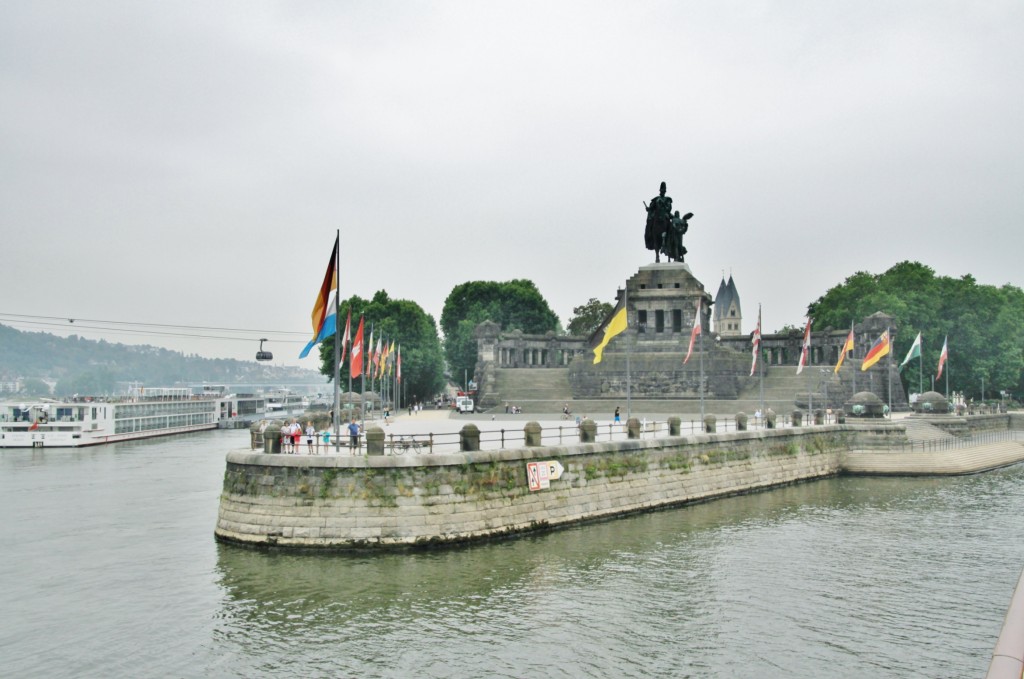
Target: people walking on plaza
x=618 y=420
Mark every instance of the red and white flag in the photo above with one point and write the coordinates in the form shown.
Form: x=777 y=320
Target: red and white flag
x=806 y=347
x=348 y=335
x=943 y=356
x=356 y=363
x=693 y=334
x=756 y=342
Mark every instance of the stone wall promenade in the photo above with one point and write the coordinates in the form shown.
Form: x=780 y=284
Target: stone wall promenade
x=404 y=501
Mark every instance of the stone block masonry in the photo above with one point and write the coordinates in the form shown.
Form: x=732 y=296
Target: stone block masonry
x=332 y=502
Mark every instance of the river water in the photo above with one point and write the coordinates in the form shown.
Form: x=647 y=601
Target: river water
x=109 y=569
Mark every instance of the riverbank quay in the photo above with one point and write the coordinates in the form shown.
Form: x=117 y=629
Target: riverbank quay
x=351 y=502
x=430 y=500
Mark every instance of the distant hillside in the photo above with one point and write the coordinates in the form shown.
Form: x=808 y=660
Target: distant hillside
x=90 y=366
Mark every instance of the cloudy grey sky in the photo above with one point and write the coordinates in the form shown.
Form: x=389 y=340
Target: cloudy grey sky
x=188 y=163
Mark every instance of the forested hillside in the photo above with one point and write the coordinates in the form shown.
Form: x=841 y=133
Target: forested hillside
x=90 y=366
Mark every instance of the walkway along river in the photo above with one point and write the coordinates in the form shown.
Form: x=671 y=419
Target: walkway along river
x=109 y=570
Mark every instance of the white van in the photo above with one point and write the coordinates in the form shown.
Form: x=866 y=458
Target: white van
x=464 y=404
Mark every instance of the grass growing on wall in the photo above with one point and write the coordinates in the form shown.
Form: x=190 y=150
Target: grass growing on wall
x=616 y=467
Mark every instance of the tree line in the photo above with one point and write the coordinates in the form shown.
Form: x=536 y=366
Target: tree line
x=983 y=324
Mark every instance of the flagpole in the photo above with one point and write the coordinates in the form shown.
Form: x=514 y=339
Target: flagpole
x=760 y=358
x=854 y=352
x=363 y=380
x=700 y=319
x=337 y=435
x=920 y=369
x=629 y=345
x=337 y=337
x=810 y=383
x=888 y=369
x=946 y=347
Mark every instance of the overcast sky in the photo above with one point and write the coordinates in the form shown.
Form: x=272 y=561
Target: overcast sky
x=188 y=163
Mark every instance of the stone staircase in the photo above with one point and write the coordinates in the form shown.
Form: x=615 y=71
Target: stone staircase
x=525 y=384
x=546 y=390
x=919 y=430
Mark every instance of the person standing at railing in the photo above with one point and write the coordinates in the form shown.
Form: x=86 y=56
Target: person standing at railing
x=353 y=436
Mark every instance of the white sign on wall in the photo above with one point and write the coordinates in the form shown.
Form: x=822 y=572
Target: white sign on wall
x=541 y=474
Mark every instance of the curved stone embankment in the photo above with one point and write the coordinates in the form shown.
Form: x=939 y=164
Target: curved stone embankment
x=347 y=502
x=374 y=501
x=968 y=460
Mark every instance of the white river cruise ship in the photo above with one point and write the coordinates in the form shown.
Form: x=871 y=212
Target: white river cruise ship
x=78 y=422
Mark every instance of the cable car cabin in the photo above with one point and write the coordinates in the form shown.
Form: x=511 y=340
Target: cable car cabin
x=264 y=355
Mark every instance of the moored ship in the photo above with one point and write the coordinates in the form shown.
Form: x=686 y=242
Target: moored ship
x=144 y=413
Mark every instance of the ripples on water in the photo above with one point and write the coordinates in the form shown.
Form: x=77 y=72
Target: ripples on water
x=110 y=569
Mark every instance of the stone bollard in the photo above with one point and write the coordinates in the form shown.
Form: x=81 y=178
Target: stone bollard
x=374 y=441
x=710 y=424
x=769 y=419
x=841 y=417
x=819 y=416
x=588 y=431
x=469 y=438
x=796 y=418
x=741 y=421
x=674 y=426
x=272 y=439
x=532 y=432
x=632 y=428
x=255 y=436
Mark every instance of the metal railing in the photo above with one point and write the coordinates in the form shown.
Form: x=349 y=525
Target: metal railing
x=958 y=442
x=562 y=434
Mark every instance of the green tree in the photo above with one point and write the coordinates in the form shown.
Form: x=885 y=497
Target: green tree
x=34 y=387
x=984 y=324
x=410 y=328
x=587 y=317
x=97 y=382
x=513 y=305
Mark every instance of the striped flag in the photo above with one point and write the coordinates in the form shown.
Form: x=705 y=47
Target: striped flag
x=348 y=335
x=324 y=316
x=693 y=333
x=943 y=356
x=804 y=348
x=879 y=349
x=915 y=351
x=356 y=362
x=847 y=347
x=756 y=342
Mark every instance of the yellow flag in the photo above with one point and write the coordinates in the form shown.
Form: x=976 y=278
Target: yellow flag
x=848 y=346
x=614 y=327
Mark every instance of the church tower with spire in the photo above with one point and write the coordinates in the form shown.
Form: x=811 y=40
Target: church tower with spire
x=728 y=315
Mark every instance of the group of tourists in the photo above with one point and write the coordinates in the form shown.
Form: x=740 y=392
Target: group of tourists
x=292 y=435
